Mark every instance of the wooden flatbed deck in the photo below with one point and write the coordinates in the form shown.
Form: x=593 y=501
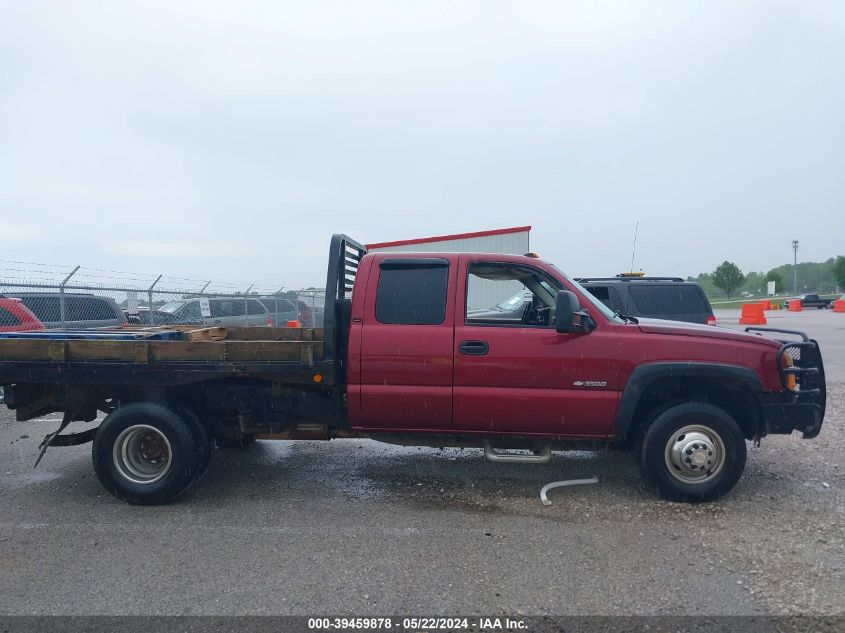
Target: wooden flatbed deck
x=217 y=344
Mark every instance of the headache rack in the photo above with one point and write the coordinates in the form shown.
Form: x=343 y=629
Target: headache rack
x=344 y=257
x=806 y=365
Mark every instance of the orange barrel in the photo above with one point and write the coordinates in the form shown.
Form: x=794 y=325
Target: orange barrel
x=752 y=314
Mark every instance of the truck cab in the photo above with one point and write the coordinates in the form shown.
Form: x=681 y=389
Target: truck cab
x=813 y=300
x=430 y=350
x=437 y=347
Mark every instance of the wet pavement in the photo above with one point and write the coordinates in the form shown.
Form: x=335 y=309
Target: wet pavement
x=356 y=527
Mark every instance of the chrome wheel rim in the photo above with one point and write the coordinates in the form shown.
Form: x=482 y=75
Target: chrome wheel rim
x=695 y=454
x=142 y=454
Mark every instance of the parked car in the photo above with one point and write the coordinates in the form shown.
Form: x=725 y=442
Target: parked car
x=813 y=300
x=283 y=310
x=244 y=311
x=669 y=298
x=311 y=307
x=81 y=310
x=16 y=317
x=248 y=311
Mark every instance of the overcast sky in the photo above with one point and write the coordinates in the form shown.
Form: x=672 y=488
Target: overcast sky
x=229 y=140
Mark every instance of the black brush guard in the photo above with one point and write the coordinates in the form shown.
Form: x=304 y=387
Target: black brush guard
x=801 y=408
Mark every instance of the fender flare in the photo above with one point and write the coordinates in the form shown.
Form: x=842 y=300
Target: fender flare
x=644 y=375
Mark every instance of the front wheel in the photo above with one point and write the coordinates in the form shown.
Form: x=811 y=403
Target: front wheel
x=145 y=454
x=693 y=452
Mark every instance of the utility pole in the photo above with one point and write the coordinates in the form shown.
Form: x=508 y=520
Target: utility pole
x=795 y=267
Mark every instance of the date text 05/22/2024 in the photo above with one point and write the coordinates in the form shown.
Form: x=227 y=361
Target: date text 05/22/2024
x=418 y=624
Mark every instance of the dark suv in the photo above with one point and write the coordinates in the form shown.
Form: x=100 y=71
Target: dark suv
x=669 y=298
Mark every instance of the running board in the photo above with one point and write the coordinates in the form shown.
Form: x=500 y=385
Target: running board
x=542 y=456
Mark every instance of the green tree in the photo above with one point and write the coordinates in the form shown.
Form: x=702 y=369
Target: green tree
x=728 y=277
x=755 y=283
x=775 y=276
x=839 y=271
x=703 y=280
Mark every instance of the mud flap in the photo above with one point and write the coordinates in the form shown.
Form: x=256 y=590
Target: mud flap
x=48 y=439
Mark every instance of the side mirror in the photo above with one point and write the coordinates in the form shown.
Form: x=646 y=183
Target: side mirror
x=568 y=314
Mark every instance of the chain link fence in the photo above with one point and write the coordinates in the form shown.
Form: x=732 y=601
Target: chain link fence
x=77 y=297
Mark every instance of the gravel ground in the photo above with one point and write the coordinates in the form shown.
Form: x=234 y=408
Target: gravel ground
x=356 y=527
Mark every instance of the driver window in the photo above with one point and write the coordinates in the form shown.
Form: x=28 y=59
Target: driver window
x=509 y=294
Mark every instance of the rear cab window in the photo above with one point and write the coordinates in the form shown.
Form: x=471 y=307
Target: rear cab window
x=412 y=291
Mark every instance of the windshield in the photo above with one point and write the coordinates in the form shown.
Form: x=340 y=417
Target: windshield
x=598 y=305
x=172 y=306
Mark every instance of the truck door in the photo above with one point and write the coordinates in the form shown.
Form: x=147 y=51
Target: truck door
x=513 y=372
x=406 y=344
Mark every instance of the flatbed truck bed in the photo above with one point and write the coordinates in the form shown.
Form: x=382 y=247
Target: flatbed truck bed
x=233 y=350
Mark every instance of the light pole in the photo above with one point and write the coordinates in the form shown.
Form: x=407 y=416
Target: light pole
x=795 y=267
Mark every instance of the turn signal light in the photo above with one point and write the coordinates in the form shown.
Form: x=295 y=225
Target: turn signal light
x=711 y=320
x=791 y=383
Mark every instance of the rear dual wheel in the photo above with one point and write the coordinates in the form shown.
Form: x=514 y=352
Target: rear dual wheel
x=147 y=454
x=203 y=439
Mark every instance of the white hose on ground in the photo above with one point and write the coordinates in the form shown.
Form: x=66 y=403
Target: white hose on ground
x=560 y=484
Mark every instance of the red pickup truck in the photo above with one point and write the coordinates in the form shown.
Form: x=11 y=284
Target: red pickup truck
x=16 y=317
x=418 y=349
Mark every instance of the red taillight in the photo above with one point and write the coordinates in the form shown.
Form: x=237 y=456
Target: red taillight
x=711 y=320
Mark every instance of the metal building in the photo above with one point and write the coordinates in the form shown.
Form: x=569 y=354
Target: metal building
x=483 y=293
x=513 y=240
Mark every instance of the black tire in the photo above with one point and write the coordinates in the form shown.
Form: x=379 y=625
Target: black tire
x=235 y=442
x=709 y=433
x=144 y=480
x=204 y=441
